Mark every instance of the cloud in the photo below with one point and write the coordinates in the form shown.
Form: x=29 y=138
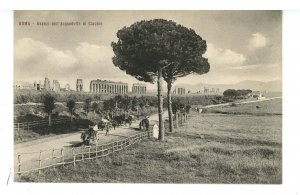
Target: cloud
x=220 y=58
x=257 y=41
x=83 y=60
x=35 y=55
x=92 y=53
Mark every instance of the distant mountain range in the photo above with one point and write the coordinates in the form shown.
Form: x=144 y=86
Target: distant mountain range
x=275 y=86
x=271 y=86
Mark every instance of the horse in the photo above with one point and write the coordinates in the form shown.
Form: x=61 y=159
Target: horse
x=128 y=120
x=89 y=135
x=118 y=120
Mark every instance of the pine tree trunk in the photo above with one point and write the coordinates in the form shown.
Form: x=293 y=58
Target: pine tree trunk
x=161 y=135
x=170 y=112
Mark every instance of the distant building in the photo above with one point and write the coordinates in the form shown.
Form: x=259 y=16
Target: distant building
x=37 y=86
x=139 y=88
x=23 y=85
x=179 y=90
x=46 y=84
x=79 y=85
x=56 y=86
x=108 y=87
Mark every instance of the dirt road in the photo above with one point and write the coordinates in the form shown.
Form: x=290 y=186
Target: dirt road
x=30 y=151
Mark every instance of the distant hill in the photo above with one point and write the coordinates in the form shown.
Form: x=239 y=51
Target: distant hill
x=275 y=86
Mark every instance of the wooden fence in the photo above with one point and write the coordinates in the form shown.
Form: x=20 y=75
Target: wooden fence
x=179 y=118
x=63 y=156
x=41 y=123
x=37 y=161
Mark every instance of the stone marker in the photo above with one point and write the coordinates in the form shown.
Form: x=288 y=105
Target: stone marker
x=155 y=131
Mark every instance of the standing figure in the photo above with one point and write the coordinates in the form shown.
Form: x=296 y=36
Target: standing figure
x=114 y=124
x=145 y=124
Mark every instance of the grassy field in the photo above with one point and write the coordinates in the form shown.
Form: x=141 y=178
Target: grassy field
x=209 y=148
x=270 y=107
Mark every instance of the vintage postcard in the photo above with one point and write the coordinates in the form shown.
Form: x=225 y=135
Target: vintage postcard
x=188 y=97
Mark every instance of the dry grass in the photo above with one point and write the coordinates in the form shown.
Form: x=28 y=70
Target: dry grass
x=270 y=107
x=207 y=149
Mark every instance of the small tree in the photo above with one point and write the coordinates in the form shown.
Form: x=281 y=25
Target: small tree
x=87 y=105
x=71 y=106
x=48 y=101
x=230 y=93
x=95 y=107
x=177 y=105
x=126 y=103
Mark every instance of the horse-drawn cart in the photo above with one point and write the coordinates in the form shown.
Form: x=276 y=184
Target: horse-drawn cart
x=92 y=133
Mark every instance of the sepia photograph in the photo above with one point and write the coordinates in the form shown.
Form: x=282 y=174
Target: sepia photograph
x=156 y=97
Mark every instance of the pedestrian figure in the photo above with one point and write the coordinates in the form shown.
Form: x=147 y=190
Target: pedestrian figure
x=144 y=124
x=114 y=124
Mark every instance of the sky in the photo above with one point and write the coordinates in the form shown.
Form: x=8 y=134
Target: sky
x=241 y=45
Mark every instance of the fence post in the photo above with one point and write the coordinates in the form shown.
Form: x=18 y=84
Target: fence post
x=74 y=157
x=176 y=119
x=96 y=150
x=19 y=164
x=82 y=156
x=40 y=162
x=62 y=155
x=18 y=126
x=89 y=152
x=53 y=158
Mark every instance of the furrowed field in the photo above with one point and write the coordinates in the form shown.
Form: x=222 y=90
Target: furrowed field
x=209 y=148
